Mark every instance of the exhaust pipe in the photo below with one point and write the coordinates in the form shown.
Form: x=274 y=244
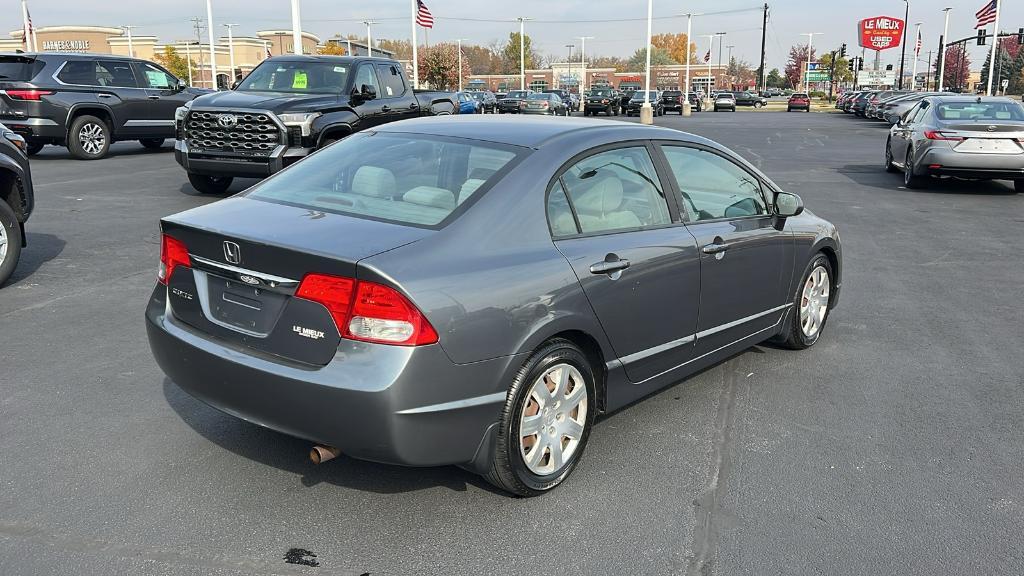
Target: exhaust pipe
x=321 y=454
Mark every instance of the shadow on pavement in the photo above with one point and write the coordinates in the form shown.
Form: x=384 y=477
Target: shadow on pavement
x=41 y=249
x=291 y=454
x=127 y=148
x=875 y=176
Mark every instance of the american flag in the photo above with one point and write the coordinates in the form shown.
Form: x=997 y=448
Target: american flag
x=986 y=15
x=707 y=57
x=917 y=50
x=423 y=16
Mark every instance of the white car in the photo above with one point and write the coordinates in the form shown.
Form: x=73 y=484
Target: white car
x=725 y=101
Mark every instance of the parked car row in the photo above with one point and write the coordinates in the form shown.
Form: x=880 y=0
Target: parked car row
x=949 y=135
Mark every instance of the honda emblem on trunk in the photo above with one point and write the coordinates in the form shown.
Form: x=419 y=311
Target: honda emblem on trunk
x=232 y=253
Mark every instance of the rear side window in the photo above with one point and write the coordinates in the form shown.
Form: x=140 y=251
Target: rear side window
x=391 y=81
x=112 y=73
x=19 y=68
x=402 y=178
x=611 y=191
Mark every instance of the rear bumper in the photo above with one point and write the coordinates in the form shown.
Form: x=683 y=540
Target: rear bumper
x=41 y=128
x=538 y=112
x=391 y=404
x=964 y=165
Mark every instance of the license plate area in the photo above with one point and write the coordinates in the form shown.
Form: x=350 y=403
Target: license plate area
x=988 y=146
x=238 y=305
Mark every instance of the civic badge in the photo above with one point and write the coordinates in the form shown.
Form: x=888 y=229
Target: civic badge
x=232 y=253
x=227 y=120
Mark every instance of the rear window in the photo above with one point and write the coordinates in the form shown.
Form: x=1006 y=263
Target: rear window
x=518 y=94
x=605 y=92
x=673 y=93
x=403 y=178
x=19 y=68
x=799 y=95
x=980 y=111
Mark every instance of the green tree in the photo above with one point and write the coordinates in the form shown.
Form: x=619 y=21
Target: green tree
x=659 y=57
x=439 y=65
x=775 y=79
x=842 y=73
x=402 y=49
x=174 y=62
x=510 y=54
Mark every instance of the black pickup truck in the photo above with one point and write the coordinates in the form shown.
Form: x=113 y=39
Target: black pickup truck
x=287 y=108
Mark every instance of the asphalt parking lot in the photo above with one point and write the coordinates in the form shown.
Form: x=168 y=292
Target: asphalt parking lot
x=893 y=446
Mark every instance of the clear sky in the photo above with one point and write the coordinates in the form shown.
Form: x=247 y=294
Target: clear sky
x=557 y=22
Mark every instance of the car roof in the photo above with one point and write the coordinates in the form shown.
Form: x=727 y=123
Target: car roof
x=533 y=132
x=65 y=55
x=964 y=99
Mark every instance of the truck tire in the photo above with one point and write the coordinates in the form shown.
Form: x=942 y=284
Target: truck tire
x=11 y=249
x=88 y=138
x=152 y=143
x=210 y=184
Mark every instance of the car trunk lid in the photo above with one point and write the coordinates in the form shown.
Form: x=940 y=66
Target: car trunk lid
x=981 y=137
x=247 y=259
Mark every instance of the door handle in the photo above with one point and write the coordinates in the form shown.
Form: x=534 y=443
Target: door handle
x=609 y=266
x=715 y=248
x=413 y=106
x=385 y=109
x=153 y=97
x=105 y=95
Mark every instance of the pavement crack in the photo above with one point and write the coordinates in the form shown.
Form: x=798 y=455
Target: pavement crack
x=707 y=507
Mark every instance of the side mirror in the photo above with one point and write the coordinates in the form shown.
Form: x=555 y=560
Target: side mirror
x=234 y=85
x=788 y=204
x=368 y=92
x=180 y=85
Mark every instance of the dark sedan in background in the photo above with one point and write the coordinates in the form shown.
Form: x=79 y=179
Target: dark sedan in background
x=512 y=101
x=482 y=305
x=16 y=199
x=975 y=138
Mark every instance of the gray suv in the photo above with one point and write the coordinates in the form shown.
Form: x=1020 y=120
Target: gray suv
x=88 y=101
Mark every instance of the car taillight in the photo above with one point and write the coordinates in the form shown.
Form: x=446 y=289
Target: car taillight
x=368 y=311
x=173 y=253
x=937 y=135
x=28 y=94
x=544 y=104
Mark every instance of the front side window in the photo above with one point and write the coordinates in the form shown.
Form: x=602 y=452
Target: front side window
x=391 y=81
x=366 y=77
x=713 y=187
x=614 y=190
x=156 y=78
x=297 y=77
x=401 y=178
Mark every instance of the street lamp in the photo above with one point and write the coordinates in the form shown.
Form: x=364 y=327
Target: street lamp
x=913 y=75
x=689 y=28
x=711 y=46
x=807 y=77
x=942 y=61
x=460 y=40
x=128 y=31
x=720 y=42
x=568 y=61
x=903 y=53
x=646 y=113
x=213 y=55
x=522 y=53
x=231 y=49
x=583 y=62
x=369 y=37
x=296 y=29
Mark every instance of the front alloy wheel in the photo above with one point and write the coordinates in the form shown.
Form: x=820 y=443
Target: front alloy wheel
x=546 y=421
x=810 y=306
x=889 y=166
x=10 y=242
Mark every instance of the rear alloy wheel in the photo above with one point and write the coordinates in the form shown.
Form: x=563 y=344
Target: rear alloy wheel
x=10 y=242
x=88 y=138
x=810 y=305
x=889 y=166
x=911 y=180
x=210 y=184
x=545 y=422
x=758 y=104
x=152 y=143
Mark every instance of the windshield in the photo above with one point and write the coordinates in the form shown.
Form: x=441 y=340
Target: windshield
x=403 y=178
x=297 y=77
x=639 y=95
x=542 y=96
x=601 y=93
x=980 y=111
x=673 y=93
x=518 y=94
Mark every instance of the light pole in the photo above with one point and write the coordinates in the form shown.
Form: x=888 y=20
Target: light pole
x=646 y=113
x=348 y=49
x=213 y=55
x=296 y=28
x=903 y=54
x=231 y=49
x=995 y=47
x=128 y=31
x=583 y=62
x=459 y=40
x=807 y=66
x=686 y=95
x=568 y=61
x=369 y=37
x=188 y=60
x=720 y=42
x=29 y=44
x=711 y=46
x=913 y=75
x=942 y=57
x=522 y=52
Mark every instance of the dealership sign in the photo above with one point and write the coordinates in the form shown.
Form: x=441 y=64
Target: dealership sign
x=881 y=32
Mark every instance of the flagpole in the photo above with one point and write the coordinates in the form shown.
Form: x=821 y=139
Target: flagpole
x=917 y=53
x=29 y=44
x=995 y=44
x=415 y=53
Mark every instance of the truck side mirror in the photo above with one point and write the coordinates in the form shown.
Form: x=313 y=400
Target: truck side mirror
x=368 y=92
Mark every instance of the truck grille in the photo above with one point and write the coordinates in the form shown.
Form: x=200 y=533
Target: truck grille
x=250 y=133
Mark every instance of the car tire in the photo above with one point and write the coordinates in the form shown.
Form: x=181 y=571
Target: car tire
x=758 y=104
x=34 y=148
x=152 y=143
x=889 y=166
x=511 y=468
x=210 y=184
x=805 y=323
x=911 y=180
x=88 y=138
x=10 y=242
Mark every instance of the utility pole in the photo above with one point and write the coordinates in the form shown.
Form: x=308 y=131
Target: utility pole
x=188 y=59
x=927 y=78
x=369 y=37
x=197 y=25
x=942 y=50
x=760 y=69
x=128 y=31
x=231 y=49
x=831 y=75
x=903 y=55
x=720 y=42
x=213 y=55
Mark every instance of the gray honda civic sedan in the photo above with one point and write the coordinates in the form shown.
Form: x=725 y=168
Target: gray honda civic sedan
x=475 y=290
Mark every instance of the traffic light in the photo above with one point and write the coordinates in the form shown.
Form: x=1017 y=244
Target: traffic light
x=860 y=63
x=981 y=37
x=888 y=67
x=850 y=64
x=842 y=49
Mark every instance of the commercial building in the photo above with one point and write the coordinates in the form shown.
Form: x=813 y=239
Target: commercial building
x=568 y=75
